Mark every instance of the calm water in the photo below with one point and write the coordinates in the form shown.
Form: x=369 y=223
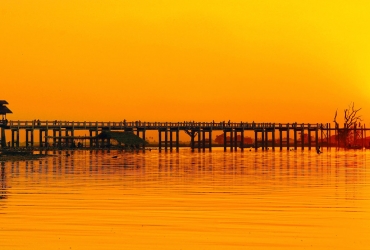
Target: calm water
x=233 y=200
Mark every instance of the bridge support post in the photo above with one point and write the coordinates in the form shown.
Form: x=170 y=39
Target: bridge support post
x=287 y=136
x=210 y=140
x=60 y=138
x=199 y=139
x=73 y=134
x=66 y=135
x=192 y=134
x=54 y=138
x=46 y=138
x=302 y=136
x=225 y=142
x=242 y=139
x=17 y=138
x=90 y=133
x=273 y=137
x=204 y=140
x=171 y=140
x=329 y=133
x=96 y=138
x=165 y=139
x=255 y=139
x=12 y=138
x=3 y=138
x=295 y=136
x=40 y=138
x=281 y=137
x=144 y=140
x=309 y=137
x=231 y=140
x=27 y=138
x=177 y=140
x=236 y=140
x=32 y=140
x=159 y=140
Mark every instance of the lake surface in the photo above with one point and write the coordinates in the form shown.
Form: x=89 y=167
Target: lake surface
x=211 y=200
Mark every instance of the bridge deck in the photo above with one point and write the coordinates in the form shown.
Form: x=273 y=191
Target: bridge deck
x=159 y=125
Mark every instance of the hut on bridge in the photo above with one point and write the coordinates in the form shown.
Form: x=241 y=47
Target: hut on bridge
x=128 y=139
x=4 y=122
x=4 y=109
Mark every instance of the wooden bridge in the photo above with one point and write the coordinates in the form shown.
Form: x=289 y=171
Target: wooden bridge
x=58 y=133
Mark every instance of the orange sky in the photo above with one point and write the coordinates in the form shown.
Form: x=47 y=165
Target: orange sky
x=267 y=61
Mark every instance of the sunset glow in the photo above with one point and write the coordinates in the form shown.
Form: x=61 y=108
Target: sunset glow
x=272 y=61
x=184 y=124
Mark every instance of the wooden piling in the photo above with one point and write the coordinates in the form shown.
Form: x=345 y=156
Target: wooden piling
x=242 y=139
x=46 y=138
x=12 y=144
x=40 y=138
x=27 y=138
x=192 y=140
x=165 y=139
x=204 y=140
x=144 y=140
x=32 y=141
x=309 y=136
x=199 y=139
x=225 y=142
x=3 y=138
x=236 y=140
x=287 y=136
x=160 y=140
x=170 y=131
x=281 y=137
x=295 y=136
x=329 y=137
x=273 y=137
x=54 y=137
x=302 y=136
x=177 y=140
x=231 y=140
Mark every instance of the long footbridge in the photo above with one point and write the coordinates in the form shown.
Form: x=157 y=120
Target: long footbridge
x=58 y=133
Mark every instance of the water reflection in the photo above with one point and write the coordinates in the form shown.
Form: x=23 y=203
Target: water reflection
x=3 y=190
x=253 y=199
x=284 y=168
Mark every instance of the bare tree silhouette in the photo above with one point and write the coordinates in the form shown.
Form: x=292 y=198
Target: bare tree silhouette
x=347 y=134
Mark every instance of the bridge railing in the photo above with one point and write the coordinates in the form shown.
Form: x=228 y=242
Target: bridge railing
x=156 y=125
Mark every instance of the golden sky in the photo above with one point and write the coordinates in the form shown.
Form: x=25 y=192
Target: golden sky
x=267 y=61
